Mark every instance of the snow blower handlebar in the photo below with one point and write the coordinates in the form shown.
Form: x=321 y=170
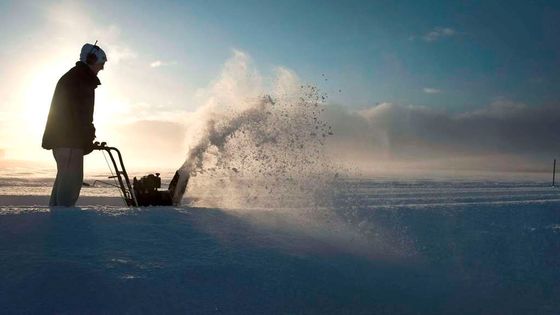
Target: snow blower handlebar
x=120 y=173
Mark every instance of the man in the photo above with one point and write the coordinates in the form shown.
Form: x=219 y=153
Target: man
x=69 y=131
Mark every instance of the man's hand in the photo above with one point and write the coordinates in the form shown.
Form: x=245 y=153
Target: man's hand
x=88 y=148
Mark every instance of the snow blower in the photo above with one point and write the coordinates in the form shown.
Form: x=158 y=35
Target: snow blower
x=146 y=190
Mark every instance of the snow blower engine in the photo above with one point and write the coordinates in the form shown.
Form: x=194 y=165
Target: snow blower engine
x=144 y=191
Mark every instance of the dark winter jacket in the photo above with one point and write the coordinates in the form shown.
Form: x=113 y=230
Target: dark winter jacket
x=70 y=121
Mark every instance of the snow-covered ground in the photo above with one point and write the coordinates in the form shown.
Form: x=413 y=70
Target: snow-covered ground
x=381 y=245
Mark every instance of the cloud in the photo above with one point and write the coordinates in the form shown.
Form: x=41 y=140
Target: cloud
x=431 y=91
x=436 y=34
x=499 y=109
x=504 y=134
x=2 y=154
x=159 y=63
x=156 y=64
x=118 y=53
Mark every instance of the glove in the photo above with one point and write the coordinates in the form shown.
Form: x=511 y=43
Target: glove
x=88 y=148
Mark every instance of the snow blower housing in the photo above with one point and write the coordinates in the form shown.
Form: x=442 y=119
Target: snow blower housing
x=146 y=190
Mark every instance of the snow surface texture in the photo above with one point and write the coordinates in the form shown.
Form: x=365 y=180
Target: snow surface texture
x=384 y=246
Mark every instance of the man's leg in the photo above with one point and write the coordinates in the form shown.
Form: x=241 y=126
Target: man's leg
x=52 y=201
x=70 y=176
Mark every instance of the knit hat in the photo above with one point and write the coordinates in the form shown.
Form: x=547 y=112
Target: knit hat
x=91 y=49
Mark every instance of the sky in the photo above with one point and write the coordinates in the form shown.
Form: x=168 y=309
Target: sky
x=441 y=75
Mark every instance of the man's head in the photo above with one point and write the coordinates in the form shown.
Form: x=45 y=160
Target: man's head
x=94 y=57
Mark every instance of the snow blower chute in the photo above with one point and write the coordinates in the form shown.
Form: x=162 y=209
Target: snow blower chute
x=144 y=191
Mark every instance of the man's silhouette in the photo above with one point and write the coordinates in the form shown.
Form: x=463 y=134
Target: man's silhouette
x=69 y=131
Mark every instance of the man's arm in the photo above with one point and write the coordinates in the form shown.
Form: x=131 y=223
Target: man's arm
x=81 y=108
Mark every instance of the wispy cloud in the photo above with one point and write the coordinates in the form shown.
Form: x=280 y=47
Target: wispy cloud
x=428 y=90
x=156 y=64
x=159 y=63
x=436 y=34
